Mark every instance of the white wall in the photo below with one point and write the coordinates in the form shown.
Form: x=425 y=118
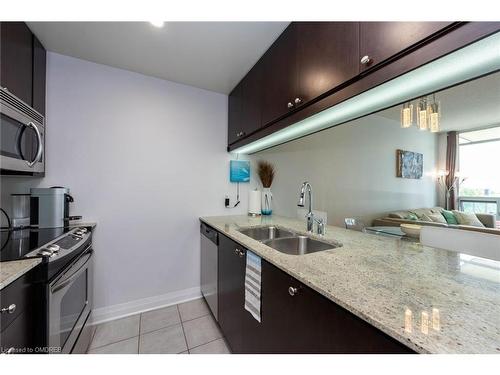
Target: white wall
x=352 y=169
x=144 y=158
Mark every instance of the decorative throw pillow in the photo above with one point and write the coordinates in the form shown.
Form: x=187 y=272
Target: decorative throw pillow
x=437 y=218
x=467 y=218
x=424 y=217
x=449 y=217
x=411 y=216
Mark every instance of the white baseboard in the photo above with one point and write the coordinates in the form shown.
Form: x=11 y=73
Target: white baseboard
x=105 y=314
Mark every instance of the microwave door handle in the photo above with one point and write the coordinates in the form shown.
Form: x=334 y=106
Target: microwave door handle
x=40 y=145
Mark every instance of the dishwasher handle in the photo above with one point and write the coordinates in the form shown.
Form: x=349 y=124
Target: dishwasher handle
x=210 y=233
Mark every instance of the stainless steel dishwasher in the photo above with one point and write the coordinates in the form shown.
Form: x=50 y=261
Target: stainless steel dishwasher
x=209 y=240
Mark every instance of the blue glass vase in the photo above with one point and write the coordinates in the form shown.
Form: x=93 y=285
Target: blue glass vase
x=267 y=197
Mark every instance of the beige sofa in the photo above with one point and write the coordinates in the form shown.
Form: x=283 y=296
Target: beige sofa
x=394 y=219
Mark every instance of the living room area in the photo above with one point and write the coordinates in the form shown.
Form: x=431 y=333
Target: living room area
x=430 y=162
x=467 y=174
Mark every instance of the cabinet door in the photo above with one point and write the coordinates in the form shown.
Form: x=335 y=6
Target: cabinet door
x=293 y=321
x=304 y=321
x=327 y=55
x=277 y=315
x=16 y=69
x=234 y=118
x=231 y=292
x=39 y=73
x=381 y=40
x=279 y=76
x=251 y=101
x=245 y=106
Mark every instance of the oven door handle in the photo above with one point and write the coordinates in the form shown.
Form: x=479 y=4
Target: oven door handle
x=39 y=149
x=65 y=281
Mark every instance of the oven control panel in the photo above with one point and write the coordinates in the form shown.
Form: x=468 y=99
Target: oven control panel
x=61 y=246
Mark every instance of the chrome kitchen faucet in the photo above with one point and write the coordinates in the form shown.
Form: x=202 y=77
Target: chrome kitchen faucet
x=310 y=216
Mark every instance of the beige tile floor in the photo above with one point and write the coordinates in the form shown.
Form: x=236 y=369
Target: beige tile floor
x=185 y=328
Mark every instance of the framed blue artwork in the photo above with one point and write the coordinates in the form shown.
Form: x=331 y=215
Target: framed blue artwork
x=239 y=171
x=409 y=164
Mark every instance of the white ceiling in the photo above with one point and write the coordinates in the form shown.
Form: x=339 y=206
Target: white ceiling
x=471 y=105
x=209 y=55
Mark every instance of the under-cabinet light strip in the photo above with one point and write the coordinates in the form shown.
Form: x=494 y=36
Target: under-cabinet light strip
x=477 y=59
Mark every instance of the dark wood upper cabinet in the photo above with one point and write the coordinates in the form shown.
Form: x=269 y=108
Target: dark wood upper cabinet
x=16 y=70
x=327 y=56
x=315 y=65
x=251 y=103
x=379 y=41
x=39 y=74
x=244 y=114
x=279 y=76
x=235 y=115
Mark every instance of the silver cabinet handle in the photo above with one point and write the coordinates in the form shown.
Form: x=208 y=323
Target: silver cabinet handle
x=40 y=145
x=9 y=351
x=241 y=254
x=365 y=60
x=292 y=291
x=289 y=105
x=10 y=309
x=298 y=100
x=236 y=251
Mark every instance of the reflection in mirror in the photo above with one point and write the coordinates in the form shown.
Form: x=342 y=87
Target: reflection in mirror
x=429 y=161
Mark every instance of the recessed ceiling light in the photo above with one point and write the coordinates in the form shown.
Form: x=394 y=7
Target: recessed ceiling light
x=157 y=23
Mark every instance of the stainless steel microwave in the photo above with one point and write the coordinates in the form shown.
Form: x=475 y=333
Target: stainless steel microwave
x=22 y=137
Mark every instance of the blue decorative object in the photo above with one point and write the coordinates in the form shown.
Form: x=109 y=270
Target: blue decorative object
x=267 y=198
x=239 y=171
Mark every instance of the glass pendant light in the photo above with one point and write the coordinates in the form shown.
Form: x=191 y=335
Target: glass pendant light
x=407 y=115
x=434 y=114
x=422 y=114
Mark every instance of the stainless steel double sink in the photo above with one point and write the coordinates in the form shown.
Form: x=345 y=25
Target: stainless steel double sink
x=286 y=241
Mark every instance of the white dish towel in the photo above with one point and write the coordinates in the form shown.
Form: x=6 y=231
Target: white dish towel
x=252 y=285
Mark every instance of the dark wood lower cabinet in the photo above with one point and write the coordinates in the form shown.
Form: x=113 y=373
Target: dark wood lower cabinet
x=231 y=291
x=17 y=325
x=305 y=322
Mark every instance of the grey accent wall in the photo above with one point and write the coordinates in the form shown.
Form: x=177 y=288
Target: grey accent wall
x=352 y=169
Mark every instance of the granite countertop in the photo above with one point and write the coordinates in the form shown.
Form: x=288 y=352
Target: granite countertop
x=431 y=300
x=10 y=271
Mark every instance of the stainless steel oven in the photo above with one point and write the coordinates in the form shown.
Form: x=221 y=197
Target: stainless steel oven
x=70 y=302
x=22 y=137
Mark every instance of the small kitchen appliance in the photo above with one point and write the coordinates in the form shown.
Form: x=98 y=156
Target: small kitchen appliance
x=50 y=207
x=22 y=131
